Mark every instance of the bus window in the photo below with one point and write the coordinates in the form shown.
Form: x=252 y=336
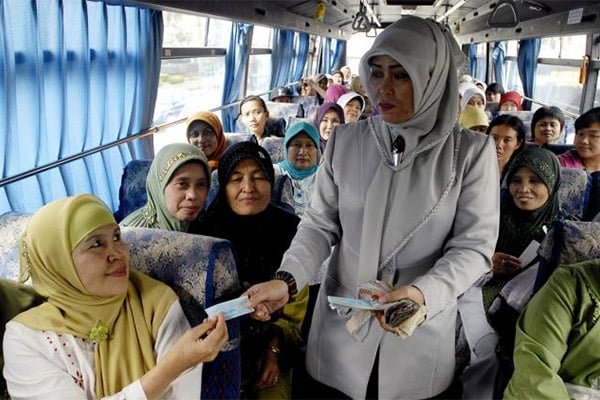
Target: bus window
x=192 y=71
x=259 y=65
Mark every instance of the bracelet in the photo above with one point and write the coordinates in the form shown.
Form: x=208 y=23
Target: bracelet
x=290 y=281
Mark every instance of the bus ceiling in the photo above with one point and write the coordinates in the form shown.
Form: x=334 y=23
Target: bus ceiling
x=471 y=20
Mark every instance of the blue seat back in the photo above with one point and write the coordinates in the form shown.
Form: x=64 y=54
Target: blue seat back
x=132 y=193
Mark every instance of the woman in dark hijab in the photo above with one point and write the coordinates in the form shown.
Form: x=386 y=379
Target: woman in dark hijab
x=259 y=233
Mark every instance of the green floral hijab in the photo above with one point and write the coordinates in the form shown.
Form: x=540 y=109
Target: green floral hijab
x=155 y=213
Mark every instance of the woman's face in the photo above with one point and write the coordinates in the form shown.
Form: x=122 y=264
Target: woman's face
x=248 y=190
x=587 y=141
x=476 y=101
x=492 y=97
x=547 y=130
x=254 y=116
x=352 y=110
x=338 y=78
x=528 y=190
x=186 y=192
x=392 y=88
x=506 y=139
x=204 y=137
x=302 y=151
x=102 y=262
x=509 y=106
x=328 y=122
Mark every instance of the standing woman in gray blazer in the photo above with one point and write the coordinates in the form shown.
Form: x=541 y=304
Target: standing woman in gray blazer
x=422 y=217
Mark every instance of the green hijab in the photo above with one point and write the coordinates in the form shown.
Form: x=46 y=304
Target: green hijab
x=155 y=213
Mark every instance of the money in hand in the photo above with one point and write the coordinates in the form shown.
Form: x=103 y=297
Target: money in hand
x=232 y=308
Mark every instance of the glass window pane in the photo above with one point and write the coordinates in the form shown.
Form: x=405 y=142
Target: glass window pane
x=186 y=85
x=512 y=47
x=261 y=37
x=259 y=74
x=558 y=86
x=572 y=47
x=219 y=32
x=597 y=97
x=512 y=77
x=183 y=30
x=550 y=47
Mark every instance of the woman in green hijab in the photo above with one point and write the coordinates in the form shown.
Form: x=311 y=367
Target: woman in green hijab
x=177 y=186
x=105 y=329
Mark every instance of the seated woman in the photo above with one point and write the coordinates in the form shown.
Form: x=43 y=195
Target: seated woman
x=510 y=101
x=204 y=130
x=177 y=186
x=353 y=105
x=508 y=132
x=547 y=125
x=357 y=87
x=473 y=97
x=259 y=233
x=255 y=116
x=474 y=118
x=490 y=308
x=105 y=329
x=586 y=154
x=494 y=92
x=302 y=149
x=328 y=116
x=334 y=92
x=556 y=335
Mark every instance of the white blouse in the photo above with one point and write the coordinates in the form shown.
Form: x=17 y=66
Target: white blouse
x=46 y=365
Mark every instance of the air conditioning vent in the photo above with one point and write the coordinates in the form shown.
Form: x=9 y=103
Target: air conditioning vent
x=409 y=2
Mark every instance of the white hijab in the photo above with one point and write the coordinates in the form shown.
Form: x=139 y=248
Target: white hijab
x=431 y=57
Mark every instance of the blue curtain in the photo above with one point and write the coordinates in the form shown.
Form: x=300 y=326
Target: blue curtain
x=324 y=64
x=282 y=57
x=336 y=57
x=301 y=55
x=529 y=51
x=74 y=75
x=472 y=59
x=236 y=61
x=498 y=54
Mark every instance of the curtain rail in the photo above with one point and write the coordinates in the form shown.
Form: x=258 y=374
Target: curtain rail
x=569 y=113
x=139 y=135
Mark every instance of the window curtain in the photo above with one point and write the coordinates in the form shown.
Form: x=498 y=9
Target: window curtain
x=236 y=61
x=75 y=75
x=324 y=64
x=498 y=54
x=301 y=55
x=336 y=57
x=282 y=57
x=472 y=59
x=529 y=51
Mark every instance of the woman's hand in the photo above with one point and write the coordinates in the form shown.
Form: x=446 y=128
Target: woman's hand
x=270 y=369
x=505 y=264
x=403 y=292
x=198 y=344
x=266 y=298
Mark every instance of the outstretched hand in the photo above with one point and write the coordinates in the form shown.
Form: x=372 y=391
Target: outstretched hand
x=266 y=298
x=202 y=342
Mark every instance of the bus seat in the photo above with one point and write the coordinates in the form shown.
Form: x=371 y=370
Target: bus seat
x=282 y=110
x=276 y=126
x=132 y=193
x=12 y=224
x=594 y=200
x=574 y=192
x=568 y=242
x=282 y=193
x=202 y=271
x=559 y=149
x=274 y=146
x=233 y=137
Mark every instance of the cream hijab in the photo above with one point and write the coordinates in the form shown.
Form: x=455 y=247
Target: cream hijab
x=132 y=319
x=431 y=57
x=155 y=213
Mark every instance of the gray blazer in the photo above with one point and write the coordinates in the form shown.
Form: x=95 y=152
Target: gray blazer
x=432 y=221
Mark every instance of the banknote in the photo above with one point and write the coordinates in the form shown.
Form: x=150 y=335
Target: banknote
x=232 y=308
x=357 y=304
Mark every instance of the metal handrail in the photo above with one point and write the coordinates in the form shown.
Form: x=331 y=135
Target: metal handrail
x=569 y=113
x=146 y=132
